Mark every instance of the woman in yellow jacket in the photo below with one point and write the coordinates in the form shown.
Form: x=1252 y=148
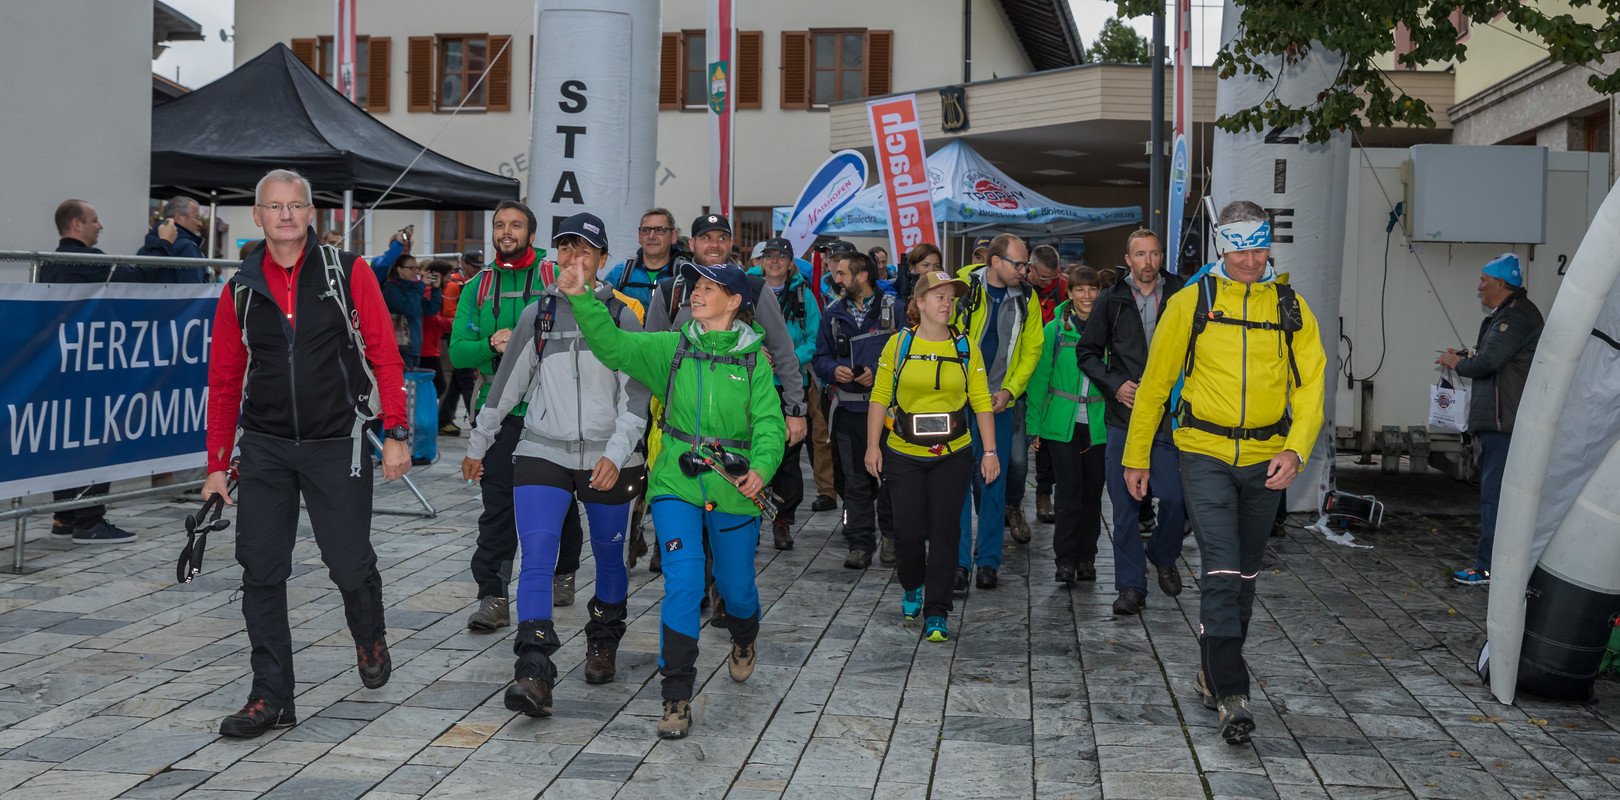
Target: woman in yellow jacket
x=927 y=454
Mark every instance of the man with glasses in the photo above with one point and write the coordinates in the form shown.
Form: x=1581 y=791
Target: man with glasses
x=300 y=404
x=1113 y=352
x=1003 y=316
x=637 y=275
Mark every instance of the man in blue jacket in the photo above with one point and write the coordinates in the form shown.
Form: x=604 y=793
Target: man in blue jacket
x=637 y=275
x=854 y=329
x=177 y=235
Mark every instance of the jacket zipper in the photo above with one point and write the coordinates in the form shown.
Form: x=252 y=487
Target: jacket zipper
x=1243 y=383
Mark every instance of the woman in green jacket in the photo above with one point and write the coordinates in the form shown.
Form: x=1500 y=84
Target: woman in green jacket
x=723 y=439
x=1066 y=412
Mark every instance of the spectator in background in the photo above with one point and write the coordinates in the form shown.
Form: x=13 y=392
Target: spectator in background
x=880 y=259
x=177 y=235
x=1498 y=366
x=333 y=238
x=80 y=228
x=410 y=297
x=981 y=252
x=636 y=275
x=436 y=321
x=398 y=245
x=1050 y=287
x=462 y=381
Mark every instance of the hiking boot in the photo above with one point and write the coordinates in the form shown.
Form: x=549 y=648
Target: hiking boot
x=1236 y=720
x=492 y=613
x=103 y=533
x=1066 y=574
x=782 y=533
x=1043 y=508
x=637 y=549
x=960 y=589
x=256 y=717
x=374 y=663
x=677 y=721
x=1169 y=579
x=1466 y=577
x=1206 y=696
x=823 y=503
x=1016 y=525
x=562 y=590
x=1279 y=529
x=655 y=562
x=741 y=661
x=1130 y=602
x=986 y=579
x=1147 y=522
x=934 y=630
x=1086 y=571
x=886 y=551
x=530 y=697
x=601 y=661
x=858 y=559
x=911 y=603
x=61 y=530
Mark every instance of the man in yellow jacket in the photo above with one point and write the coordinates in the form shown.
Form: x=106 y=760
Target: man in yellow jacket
x=1249 y=414
x=1001 y=314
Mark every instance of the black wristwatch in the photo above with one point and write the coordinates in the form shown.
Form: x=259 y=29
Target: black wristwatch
x=398 y=433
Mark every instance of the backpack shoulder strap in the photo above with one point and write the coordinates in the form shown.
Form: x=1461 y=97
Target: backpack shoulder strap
x=241 y=298
x=1206 y=294
x=901 y=350
x=1290 y=318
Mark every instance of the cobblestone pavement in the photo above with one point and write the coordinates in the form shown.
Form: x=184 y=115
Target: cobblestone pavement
x=113 y=679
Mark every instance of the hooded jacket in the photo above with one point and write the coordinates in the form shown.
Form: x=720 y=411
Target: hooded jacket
x=579 y=410
x=1020 y=331
x=1240 y=377
x=767 y=314
x=185 y=245
x=1058 y=386
x=1114 y=347
x=702 y=398
x=802 y=314
x=512 y=289
x=1501 y=363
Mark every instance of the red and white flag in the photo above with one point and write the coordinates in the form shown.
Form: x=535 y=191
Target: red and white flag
x=897 y=146
x=720 y=48
x=343 y=55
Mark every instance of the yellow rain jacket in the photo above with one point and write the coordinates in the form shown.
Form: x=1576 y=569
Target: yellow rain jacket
x=1240 y=379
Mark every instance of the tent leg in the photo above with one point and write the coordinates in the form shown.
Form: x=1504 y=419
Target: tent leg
x=213 y=222
x=427 y=508
x=348 y=210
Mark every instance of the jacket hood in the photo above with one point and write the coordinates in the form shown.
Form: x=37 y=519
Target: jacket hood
x=1269 y=275
x=1018 y=290
x=741 y=338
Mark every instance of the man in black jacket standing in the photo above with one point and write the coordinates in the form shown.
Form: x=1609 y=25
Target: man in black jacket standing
x=1498 y=366
x=1113 y=352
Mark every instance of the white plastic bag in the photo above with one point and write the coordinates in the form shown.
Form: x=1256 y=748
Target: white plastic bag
x=1448 y=404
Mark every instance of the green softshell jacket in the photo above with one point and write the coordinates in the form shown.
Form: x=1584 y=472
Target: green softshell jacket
x=711 y=399
x=476 y=322
x=1049 y=415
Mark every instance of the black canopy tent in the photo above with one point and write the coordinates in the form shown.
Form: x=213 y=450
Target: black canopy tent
x=215 y=144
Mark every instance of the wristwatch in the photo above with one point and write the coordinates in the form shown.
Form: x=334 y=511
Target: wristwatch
x=398 y=433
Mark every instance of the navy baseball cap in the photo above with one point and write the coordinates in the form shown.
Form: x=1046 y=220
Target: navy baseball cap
x=839 y=247
x=778 y=244
x=710 y=222
x=586 y=226
x=730 y=277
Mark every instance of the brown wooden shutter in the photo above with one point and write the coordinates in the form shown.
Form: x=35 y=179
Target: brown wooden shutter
x=380 y=59
x=669 y=73
x=305 y=50
x=795 y=69
x=419 y=73
x=750 y=80
x=500 y=74
x=879 y=62
x=529 y=77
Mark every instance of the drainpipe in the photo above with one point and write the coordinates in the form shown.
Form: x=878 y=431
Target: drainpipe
x=967 y=41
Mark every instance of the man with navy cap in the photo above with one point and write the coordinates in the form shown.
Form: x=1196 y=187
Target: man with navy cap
x=1498 y=365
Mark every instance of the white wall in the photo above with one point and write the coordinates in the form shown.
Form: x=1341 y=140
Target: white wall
x=1414 y=323
x=776 y=149
x=77 y=118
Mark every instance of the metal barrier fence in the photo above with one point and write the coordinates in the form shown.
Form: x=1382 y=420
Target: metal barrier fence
x=28 y=263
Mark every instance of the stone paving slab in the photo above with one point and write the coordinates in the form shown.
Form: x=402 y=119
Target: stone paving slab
x=112 y=680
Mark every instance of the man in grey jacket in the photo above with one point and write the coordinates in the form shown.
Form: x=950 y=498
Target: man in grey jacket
x=579 y=440
x=1498 y=366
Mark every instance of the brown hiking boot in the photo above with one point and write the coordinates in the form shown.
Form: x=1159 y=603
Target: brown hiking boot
x=374 y=663
x=1016 y=525
x=1043 y=508
x=600 y=662
x=782 y=533
x=741 y=661
x=492 y=613
x=677 y=719
x=1237 y=722
x=530 y=697
x=562 y=590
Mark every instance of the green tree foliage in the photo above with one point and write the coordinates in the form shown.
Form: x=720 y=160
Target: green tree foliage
x=1363 y=30
x=1120 y=44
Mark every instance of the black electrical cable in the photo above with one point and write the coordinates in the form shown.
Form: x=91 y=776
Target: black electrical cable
x=1383 y=295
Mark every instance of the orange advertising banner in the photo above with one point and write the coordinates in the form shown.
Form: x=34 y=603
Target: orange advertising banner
x=903 y=171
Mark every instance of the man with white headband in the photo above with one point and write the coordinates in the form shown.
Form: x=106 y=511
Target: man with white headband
x=1249 y=412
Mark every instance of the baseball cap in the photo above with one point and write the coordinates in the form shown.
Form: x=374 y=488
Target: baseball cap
x=586 y=226
x=729 y=276
x=776 y=243
x=710 y=222
x=983 y=242
x=1505 y=267
x=759 y=250
x=934 y=280
x=839 y=247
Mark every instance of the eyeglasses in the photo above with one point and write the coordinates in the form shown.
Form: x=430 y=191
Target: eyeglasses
x=1018 y=265
x=654 y=230
x=277 y=208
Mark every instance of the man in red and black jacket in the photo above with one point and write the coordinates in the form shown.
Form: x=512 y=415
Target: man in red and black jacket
x=288 y=380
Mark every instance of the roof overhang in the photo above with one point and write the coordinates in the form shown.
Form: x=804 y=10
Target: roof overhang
x=1046 y=31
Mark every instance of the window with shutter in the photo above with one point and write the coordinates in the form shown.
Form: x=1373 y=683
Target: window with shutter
x=694 y=71
x=379 y=61
x=795 y=69
x=879 y=62
x=305 y=50
x=749 y=74
x=462 y=60
x=326 y=57
x=500 y=74
x=419 y=73
x=669 y=73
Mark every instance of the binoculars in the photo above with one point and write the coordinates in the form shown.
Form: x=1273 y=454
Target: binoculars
x=734 y=467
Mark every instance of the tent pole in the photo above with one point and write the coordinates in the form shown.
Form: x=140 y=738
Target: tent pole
x=348 y=211
x=213 y=221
